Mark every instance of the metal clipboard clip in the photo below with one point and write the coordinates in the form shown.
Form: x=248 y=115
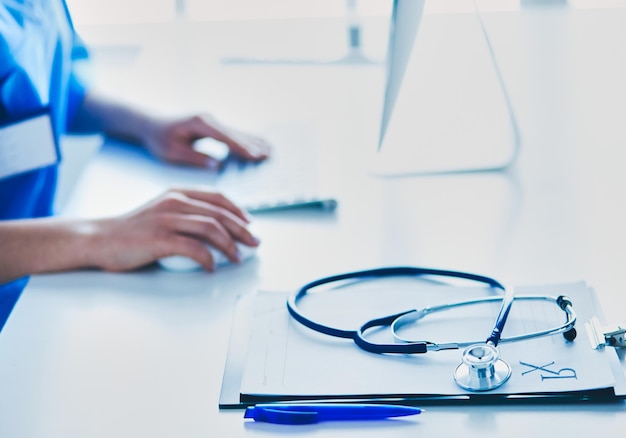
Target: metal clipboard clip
x=609 y=336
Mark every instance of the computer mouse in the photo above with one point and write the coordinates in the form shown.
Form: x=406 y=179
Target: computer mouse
x=185 y=264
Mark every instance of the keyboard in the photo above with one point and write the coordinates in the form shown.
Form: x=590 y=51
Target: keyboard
x=288 y=179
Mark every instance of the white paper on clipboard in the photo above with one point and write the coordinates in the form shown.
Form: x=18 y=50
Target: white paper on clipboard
x=285 y=360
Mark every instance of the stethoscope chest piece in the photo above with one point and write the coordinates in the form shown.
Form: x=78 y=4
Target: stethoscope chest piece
x=481 y=369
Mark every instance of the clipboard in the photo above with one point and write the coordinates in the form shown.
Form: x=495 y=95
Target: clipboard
x=235 y=392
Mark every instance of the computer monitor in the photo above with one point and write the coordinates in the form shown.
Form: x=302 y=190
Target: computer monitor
x=446 y=107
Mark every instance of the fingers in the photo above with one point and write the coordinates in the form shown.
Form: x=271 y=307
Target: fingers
x=206 y=216
x=204 y=202
x=190 y=157
x=173 y=224
x=192 y=248
x=174 y=141
x=243 y=145
x=203 y=230
x=246 y=146
x=199 y=231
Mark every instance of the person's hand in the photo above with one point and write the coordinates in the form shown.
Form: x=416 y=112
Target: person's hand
x=180 y=222
x=172 y=140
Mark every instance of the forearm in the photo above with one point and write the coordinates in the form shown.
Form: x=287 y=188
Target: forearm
x=179 y=222
x=113 y=118
x=35 y=246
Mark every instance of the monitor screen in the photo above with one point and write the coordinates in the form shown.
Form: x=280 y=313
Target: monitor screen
x=405 y=19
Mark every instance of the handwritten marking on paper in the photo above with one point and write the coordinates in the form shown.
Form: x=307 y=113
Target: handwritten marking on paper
x=563 y=373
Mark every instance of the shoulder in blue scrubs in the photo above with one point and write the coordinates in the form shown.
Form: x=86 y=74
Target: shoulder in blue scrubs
x=37 y=42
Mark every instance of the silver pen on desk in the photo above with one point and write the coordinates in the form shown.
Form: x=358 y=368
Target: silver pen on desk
x=325 y=204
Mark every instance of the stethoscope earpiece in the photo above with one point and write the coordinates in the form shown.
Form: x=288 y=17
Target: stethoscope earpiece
x=570 y=334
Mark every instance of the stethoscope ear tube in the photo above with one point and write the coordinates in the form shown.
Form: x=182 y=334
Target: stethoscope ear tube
x=399 y=319
x=358 y=336
x=407 y=348
x=569 y=332
x=320 y=328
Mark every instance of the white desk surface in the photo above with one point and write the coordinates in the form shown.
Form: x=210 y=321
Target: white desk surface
x=91 y=354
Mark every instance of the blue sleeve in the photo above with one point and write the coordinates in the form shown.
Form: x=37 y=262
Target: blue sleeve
x=76 y=91
x=7 y=64
x=9 y=294
x=6 y=59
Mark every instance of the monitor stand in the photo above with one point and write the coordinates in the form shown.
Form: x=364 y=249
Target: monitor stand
x=452 y=112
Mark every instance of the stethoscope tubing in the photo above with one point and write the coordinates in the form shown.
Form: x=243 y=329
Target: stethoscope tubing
x=414 y=315
x=293 y=309
x=395 y=321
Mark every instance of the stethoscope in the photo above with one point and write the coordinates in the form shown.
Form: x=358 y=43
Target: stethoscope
x=481 y=368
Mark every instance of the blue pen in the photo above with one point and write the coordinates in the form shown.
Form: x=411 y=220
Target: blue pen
x=312 y=413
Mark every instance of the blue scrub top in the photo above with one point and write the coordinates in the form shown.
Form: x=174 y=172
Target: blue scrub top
x=37 y=48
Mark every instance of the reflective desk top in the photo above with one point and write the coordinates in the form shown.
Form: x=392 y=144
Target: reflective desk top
x=142 y=354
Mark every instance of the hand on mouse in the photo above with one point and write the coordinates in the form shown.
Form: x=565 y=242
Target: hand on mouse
x=185 y=264
x=173 y=139
x=180 y=222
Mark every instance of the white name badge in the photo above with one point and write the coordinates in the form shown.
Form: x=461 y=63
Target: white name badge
x=27 y=144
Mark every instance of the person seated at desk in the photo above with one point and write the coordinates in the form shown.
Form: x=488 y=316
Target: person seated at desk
x=37 y=48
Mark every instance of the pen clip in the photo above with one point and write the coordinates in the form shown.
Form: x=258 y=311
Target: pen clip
x=277 y=415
